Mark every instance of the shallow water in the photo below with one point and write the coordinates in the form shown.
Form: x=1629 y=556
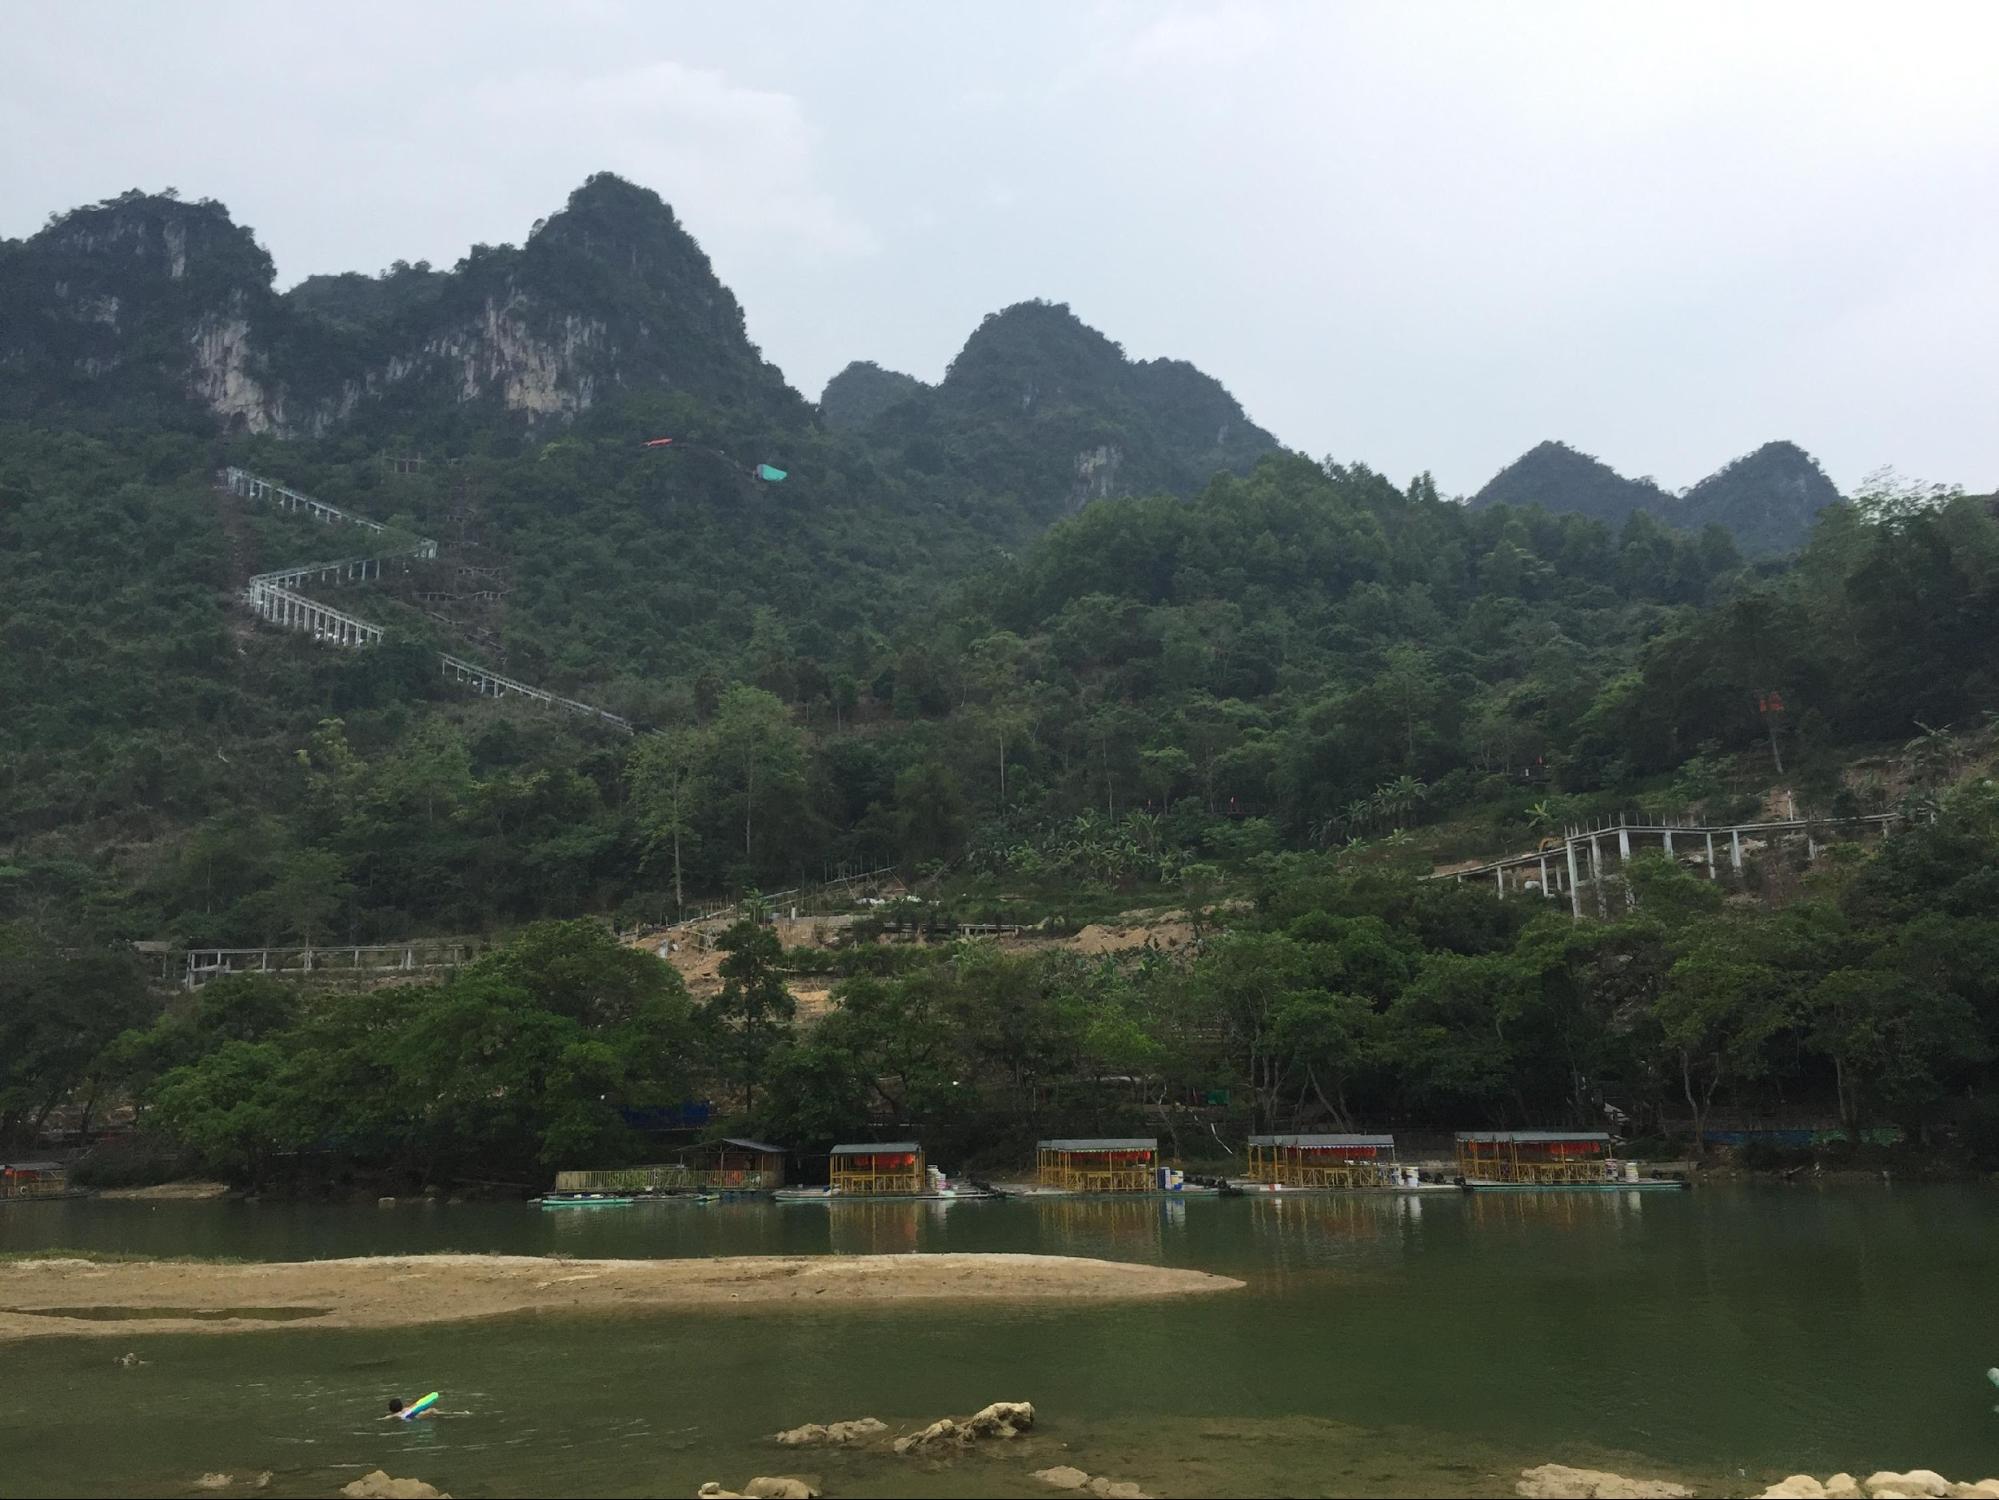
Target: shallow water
x=1383 y=1346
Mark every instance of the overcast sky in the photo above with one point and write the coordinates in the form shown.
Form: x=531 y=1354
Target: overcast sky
x=1426 y=236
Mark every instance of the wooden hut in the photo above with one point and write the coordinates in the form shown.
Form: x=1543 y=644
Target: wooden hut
x=33 y=1179
x=878 y=1167
x=1322 y=1161
x=737 y=1164
x=732 y=1164
x=1107 y=1165
x=1534 y=1156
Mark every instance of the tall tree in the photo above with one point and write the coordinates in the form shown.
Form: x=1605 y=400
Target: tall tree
x=758 y=753
x=753 y=1014
x=667 y=786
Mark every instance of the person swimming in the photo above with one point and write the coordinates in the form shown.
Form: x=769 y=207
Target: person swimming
x=423 y=1406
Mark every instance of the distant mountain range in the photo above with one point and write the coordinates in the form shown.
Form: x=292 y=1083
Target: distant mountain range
x=146 y=309
x=1766 y=498
x=144 y=303
x=1038 y=392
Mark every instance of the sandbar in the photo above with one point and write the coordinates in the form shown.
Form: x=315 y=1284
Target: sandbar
x=122 y=1299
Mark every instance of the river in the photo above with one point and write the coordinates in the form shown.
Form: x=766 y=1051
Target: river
x=1384 y=1345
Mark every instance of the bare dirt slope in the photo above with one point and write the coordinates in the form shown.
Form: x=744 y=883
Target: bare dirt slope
x=699 y=964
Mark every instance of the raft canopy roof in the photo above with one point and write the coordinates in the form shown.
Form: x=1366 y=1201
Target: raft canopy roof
x=1312 y=1141
x=1104 y=1143
x=875 y=1148
x=30 y=1166
x=748 y=1145
x=1524 y=1137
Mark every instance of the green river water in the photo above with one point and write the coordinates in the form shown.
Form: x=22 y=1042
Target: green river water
x=1383 y=1345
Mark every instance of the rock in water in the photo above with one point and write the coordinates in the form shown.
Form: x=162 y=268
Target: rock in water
x=215 y=1481
x=1917 y=1484
x=936 y=1435
x=1560 y=1482
x=764 y=1487
x=1882 y=1484
x=379 y=1486
x=1067 y=1477
x=832 y=1434
x=1003 y=1419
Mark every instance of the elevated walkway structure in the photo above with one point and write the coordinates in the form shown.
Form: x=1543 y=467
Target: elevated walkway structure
x=323 y=961
x=493 y=684
x=1583 y=856
x=275 y=597
x=255 y=487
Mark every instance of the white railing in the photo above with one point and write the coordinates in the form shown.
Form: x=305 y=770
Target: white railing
x=327 y=960
x=1582 y=856
x=483 y=681
x=1664 y=832
x=273 y=596
x=255 y=487
x=293 y=611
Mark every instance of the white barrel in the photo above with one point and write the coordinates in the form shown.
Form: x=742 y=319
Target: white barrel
x=1631 y=1171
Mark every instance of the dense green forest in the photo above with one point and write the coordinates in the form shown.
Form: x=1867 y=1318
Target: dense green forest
x=1290 y=660
x=1061 y=635
x=1337 y=999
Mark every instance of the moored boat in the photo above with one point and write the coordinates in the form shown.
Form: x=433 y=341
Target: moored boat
x=829 y=1195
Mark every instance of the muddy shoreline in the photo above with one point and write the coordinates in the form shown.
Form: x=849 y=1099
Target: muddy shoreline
x=123 y=1299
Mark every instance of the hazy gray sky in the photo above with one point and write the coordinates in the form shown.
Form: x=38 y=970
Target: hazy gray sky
x=1426 y=236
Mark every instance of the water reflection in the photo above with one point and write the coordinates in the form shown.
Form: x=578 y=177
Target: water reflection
x=1382 y=1342
x=863 y=1228
x=1555 y=1209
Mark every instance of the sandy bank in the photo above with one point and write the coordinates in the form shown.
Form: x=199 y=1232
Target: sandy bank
x=167 y=1192
x=121 y=1299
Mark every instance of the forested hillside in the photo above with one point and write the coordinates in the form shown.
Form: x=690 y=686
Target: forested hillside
x=1041 y=398
x=1767 y=499
x=1064 y=632
x=1244 y=671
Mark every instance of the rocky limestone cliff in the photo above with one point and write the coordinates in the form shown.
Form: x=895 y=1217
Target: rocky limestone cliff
x=146 y=309
x=1043 y=405
x=135 y=303
x=144 y=302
